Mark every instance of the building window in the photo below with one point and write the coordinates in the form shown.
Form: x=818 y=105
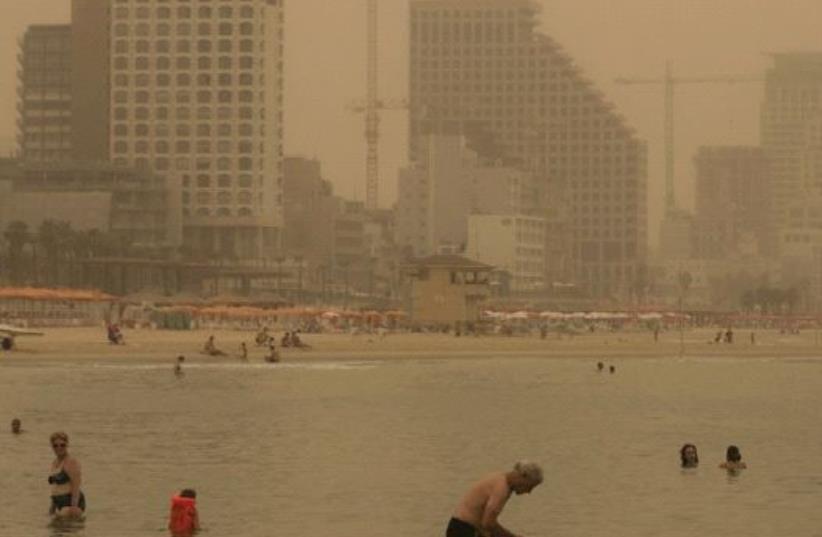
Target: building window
x=182 y=146
x=183 y=62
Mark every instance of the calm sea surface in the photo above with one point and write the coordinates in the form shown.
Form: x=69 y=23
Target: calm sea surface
x=377 y=449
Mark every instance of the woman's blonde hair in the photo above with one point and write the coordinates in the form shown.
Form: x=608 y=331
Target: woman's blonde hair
x=530 y=471
x=59 y=435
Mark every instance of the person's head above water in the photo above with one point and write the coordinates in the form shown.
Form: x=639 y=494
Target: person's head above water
x=181 y=358
x=16 y=426
x=600 y=366
x=689 y=456
x=732 y=454
x=525 y=476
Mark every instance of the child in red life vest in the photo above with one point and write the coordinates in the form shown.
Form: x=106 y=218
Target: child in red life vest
x=184 y=520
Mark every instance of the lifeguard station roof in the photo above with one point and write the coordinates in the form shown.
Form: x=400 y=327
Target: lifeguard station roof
x=449 y=261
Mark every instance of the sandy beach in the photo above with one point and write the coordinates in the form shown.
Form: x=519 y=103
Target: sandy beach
x=77 y=344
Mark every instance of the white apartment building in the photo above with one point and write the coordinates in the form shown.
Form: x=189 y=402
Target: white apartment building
x=197 y=96
x=514 y=243
x=448 y=184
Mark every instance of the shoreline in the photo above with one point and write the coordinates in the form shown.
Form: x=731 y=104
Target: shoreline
x=163 y=346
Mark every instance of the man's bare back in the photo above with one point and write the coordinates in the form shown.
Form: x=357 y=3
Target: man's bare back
x=478 y=511
x=484 y=499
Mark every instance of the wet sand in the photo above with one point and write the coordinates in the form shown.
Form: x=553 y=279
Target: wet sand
x=165 y=345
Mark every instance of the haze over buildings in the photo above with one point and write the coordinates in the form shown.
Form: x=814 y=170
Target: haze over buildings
x=633 y=37
x=504 y=119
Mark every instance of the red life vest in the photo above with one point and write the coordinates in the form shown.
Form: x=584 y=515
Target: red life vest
x=183 y=515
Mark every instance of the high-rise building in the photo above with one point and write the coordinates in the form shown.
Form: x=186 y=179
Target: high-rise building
x=90 y=79
x=197 y=96
x=480 y=68
x=732 y=201
x=44 y=106
x=790 y=119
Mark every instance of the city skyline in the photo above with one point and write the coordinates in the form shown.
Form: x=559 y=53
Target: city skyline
x=605 y=41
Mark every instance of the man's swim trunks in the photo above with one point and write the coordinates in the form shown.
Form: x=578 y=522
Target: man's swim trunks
x=458 y=528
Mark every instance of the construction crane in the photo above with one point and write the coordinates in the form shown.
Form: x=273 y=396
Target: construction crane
x=371 y=109
x=669 y=81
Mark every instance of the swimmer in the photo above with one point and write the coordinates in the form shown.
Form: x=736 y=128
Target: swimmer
x=178 y=367
x=612 y=369
x=65 y=478
x=600 y=366
x=16 y=426
x=733 y=460
x=479 y=509
x=688 y=455
x=184 y=519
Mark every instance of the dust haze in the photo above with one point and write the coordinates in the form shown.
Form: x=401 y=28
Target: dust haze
x=325 y=70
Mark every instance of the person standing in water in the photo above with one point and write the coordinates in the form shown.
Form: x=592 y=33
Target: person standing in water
x=16 y=426
x=184 y=519
x=477 y=513
x=178 y=367
x=65 y=478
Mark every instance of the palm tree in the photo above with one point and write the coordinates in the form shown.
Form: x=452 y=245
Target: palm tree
x=17 y=235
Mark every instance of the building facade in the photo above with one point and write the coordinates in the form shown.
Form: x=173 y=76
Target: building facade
x=481 y=68
x=89 y=196
x=790 y=116
x=44 y=94
x=197 y=97
x=513 y=243
x=90 y=79
x=447 y=184
x=732 y=201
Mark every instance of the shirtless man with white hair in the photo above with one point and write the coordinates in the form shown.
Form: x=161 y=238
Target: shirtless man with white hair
x=477 y=513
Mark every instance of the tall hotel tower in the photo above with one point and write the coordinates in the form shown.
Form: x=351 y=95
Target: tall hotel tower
x=196 y=91
x=481 y=68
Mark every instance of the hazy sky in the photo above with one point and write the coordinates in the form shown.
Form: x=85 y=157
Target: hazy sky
x=325 y=56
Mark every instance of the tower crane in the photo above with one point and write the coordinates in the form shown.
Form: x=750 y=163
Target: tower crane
x=371 y=109
x=669 y=82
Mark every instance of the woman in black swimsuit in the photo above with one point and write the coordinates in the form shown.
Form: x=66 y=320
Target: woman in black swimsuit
x=65 y=479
